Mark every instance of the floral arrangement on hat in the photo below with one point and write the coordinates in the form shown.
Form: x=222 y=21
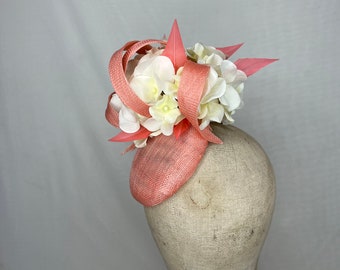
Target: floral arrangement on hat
x=168 y=90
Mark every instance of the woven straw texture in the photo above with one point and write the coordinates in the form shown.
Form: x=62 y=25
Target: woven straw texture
x=162 y=167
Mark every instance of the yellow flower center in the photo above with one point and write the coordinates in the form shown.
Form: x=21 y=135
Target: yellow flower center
x=154 y=90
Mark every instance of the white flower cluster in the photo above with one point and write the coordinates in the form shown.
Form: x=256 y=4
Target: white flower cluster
x=155 y=82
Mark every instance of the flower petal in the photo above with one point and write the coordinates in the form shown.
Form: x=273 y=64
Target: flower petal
x=152 y=124
x=228 y=70
x=140 y=143
x=231 y=99
x=128 y=121
x=204 y=124
x=228 y=118
x=165 y=110
x=215 y=114
x=214 y=60
x=167 y=128
x=146 y=88
x=203 y=111
x=116 y=102
x=216 y=91
x=163 y=68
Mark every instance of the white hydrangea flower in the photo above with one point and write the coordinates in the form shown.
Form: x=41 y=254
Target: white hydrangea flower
x=165 y=113
x=153 y=75
x=206 y=55
x=234 y=86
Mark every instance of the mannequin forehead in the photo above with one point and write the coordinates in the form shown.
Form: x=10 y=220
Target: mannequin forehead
x=232 y=182
x=237 y=171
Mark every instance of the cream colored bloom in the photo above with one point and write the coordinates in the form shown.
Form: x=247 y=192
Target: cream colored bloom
x=206 y=55
x=153 y=75
x=231 y=100
x=165 y=114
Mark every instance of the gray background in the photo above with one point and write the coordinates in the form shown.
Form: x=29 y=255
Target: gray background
x=64 y=195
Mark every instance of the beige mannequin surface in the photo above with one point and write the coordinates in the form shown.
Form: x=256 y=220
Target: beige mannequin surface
x=219 y=219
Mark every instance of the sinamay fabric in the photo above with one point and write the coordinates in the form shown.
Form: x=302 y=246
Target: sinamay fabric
x=161 y=168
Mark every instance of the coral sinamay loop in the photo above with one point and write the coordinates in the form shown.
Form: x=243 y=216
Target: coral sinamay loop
x=190 y=92
x=117 y=68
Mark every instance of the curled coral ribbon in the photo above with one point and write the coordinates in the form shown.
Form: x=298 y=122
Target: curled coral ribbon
x=190 y=92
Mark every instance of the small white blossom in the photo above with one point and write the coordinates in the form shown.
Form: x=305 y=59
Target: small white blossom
x=200 y=53
x=231 y=100
x=153 y=75
x=206 y=55
x=164 y=115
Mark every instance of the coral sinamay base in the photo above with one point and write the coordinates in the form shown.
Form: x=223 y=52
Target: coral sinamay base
x=160 y=169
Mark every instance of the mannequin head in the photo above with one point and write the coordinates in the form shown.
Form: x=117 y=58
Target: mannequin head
x=219 y=219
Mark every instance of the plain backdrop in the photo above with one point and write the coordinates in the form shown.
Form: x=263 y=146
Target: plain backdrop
x=64 y=195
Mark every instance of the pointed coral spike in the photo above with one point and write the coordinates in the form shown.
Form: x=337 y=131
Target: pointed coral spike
x=230 y=50
x=175 y=49
x=142 y=133
x=252 y=65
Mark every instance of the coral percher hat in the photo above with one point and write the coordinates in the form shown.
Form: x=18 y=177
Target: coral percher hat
x=165 y=98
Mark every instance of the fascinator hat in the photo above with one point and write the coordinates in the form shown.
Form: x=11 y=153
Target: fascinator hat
x=165 y=98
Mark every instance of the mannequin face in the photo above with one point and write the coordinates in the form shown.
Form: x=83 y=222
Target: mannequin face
x=220 y=217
